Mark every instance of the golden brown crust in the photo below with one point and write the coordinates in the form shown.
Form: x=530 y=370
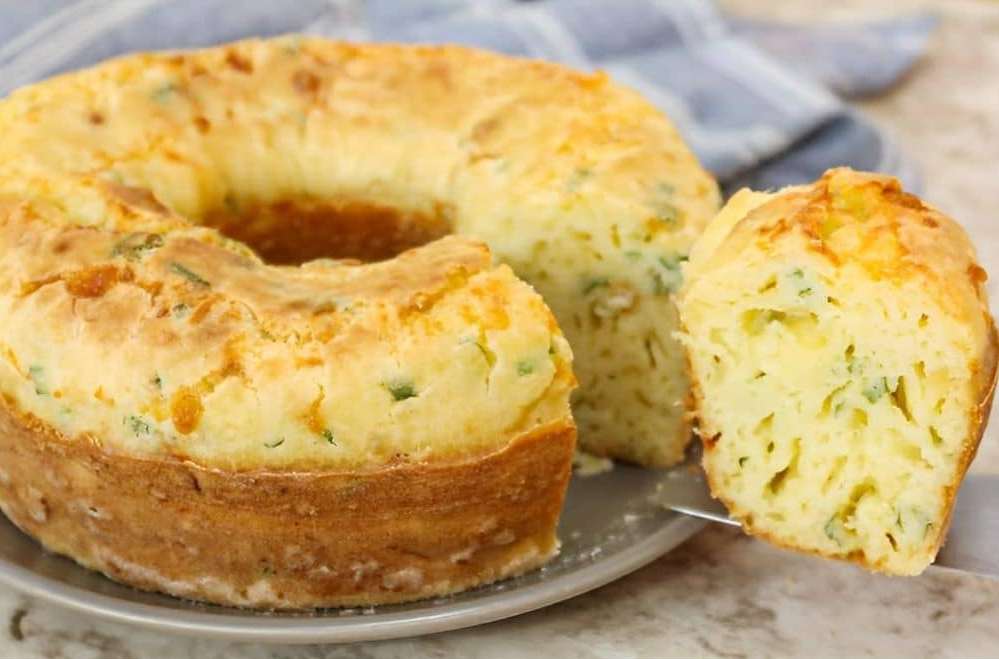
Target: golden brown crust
x=988 y=373
x=287 y=540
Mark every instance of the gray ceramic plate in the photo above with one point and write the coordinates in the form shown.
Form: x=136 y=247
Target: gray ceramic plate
x=609 y=528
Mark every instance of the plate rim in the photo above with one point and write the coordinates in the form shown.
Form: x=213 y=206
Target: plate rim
x=349 y=629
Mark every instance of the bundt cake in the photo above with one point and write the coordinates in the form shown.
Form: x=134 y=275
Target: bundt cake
x=200 y=397
x=302 y=148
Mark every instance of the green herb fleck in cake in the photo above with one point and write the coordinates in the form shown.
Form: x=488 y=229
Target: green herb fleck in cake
x=138 y=425
x=594 y=283
x=37 y=375
x=667 y=278
x=401 y=389
x=578 y=177
x=188 y=274
x=877 y=389
x=135 y=246
x=165 y=92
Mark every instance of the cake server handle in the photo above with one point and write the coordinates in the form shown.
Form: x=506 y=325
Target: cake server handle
x=972 y=543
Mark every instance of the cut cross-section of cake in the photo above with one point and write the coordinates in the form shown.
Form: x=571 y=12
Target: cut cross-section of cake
x=843 y=360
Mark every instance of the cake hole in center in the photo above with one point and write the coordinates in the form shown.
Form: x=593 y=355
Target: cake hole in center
x=294 y=231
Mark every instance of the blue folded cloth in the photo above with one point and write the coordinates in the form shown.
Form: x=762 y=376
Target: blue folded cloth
x=760 y=103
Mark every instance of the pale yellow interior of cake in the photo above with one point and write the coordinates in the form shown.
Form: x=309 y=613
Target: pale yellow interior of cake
x=838 y=407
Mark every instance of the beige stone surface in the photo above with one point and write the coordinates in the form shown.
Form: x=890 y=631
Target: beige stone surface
x=722 y=594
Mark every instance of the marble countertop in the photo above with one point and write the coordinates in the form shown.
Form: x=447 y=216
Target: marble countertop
x=721 y=594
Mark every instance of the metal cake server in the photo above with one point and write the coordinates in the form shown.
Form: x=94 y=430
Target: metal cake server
x=972 y=543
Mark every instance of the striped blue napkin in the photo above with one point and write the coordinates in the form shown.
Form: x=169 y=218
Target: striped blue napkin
x=760 y=103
